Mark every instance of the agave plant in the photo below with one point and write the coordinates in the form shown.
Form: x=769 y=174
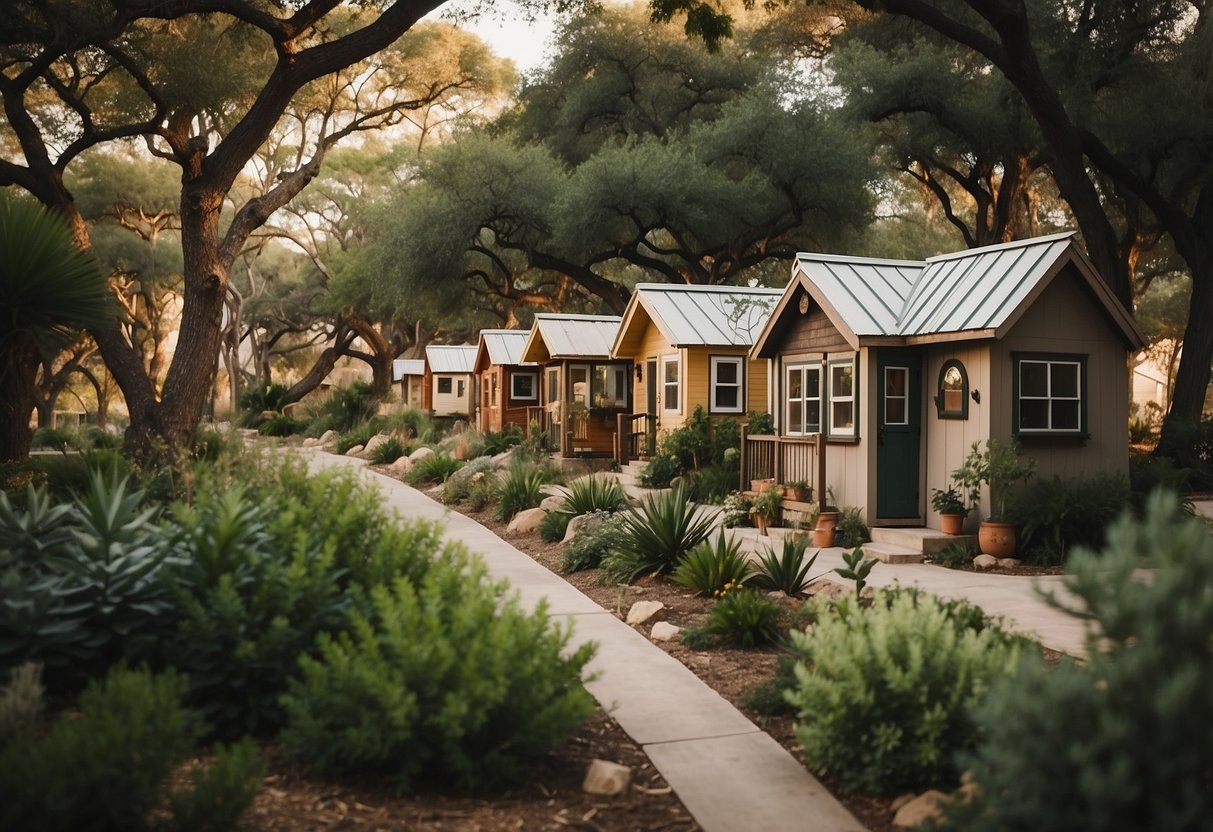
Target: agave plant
x=788 y=571
x=656 y=536
x=592 y=493
x=714 y=565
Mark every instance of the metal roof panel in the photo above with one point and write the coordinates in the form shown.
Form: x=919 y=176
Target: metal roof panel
x=450 y=358
x=504 y=346
x=717 y=316
x=577 y=336
x=402 y=367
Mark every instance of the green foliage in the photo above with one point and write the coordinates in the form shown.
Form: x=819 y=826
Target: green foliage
x=1122 y=740
x=712 y=566
x=253 y=401
x=851 y=529
x=767 y=698
x=494 y=443
x=415 y=424
x=741 y=617
x=885 y=695
x=83 y=588
x=350 y=406
x=20 y=701
x=1053 y=515
x=768 y=504
x=105 y=768
x=446 y=680
x=1149 y=473
x=359 y=434
x=761 y=424
x=788 y=571
x=948 y=502
x=656 y=536
x=713 y=483
x=521 y=487
x=857 y=569
x=389 y=451
x=432 y=469
x=482 y=493
x=660 y=471
x=735 y=510
x=593 y=493
x=280 y=426
x=60 y=439
x=955 y=554
x=998 y=466
x=598 y=535
x=553 y=526
x=459 y=484
x=220 y=793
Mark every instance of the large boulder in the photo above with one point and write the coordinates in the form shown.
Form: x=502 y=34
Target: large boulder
x=575 y=525
x=526 y=521
x=374 y=443
x=329 y=437
x=400 y=467
x=354 y=450
x=552 y=503
x=420 y=454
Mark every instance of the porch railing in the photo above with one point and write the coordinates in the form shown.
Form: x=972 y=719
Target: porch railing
x=538 y=418
x=635 y=436
x=782 y=458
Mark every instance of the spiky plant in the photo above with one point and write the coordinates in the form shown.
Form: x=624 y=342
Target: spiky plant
x=712 y=565
x=656 y=536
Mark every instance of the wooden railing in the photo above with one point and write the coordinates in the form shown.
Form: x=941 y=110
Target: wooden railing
x=547 y=426
x=784 y=458
x=635 y=436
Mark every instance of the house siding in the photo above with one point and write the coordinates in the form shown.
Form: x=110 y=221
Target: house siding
x=947 y=441
x=450 y=404
x=813 y=332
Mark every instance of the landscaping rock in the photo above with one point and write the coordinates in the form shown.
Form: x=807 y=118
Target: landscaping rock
x=310 y=442
x=643 y=611
x=927 y=807
x=575 y=525
x=526 y=521
x=354 y=450
x=329 y=437
x=900 y=801
x=420 y=453
x=552 y=503
x=373 y=444
x=664 y=631
x=826 y=589
x=606 y=778
x=266 y=415
x=985 y=561
x=400 y=467
x=502 y=460
x=1008 y=563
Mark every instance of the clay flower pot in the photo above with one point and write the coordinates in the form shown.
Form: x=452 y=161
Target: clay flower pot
x=823 y=538
x=951 y=523
x=996 y=538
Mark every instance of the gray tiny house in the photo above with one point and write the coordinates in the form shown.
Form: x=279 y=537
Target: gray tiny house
x=895 y=368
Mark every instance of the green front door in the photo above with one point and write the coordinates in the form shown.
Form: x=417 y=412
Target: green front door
x=898 y=434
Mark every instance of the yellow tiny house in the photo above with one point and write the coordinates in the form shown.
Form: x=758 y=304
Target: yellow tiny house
x=691 y=345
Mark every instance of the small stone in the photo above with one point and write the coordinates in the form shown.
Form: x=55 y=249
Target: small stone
x=664 y=631
x=900 y=801
x=526 y=521
x=266 y=415
x=985 y=561
x=1008 y=563
x=606 y=778
x=461 y=450
x=420 y=453
x=354 y=451
x=311 y=442
x=777 y=594
x=642 y=611
x=926 y=808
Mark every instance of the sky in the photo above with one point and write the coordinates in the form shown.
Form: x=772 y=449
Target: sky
x=508 y=32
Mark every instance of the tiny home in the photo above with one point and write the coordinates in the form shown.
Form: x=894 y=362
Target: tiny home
x=409 y=373
x=450 y=384
x=583 y=390
x=893 y=369
x=691 y=348
x=509 y=387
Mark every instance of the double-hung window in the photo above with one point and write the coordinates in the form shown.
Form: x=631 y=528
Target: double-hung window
x=802 y=404
x=1050 y=394
x=726 y=375
x=842 y=397
x=670 y=375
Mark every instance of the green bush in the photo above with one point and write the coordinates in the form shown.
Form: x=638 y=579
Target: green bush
x=446 y=680
x=786 y=572
x=884 y=699
x=280 y=426
x=388 y=451
x=1055 y=514
x=360 y=434
x=1149 y=473
x=851 y=530
x=954 y=555
x=219 y=794
x=760 y=424
x=713 y=483
x=104 y=769
x=493 y=443
x=660 y=471
x=482 y=493
x=598 y=535
x=415 y=424
x=459 y=484
x=741 y=617
x=711 y=567
x=554 y=525
x=593 y=493
x=1122 y=740
x=432 y=469
x=656 y=536
x=351 y=406
x=253 y=401
x=60 y=439
x=521 y=487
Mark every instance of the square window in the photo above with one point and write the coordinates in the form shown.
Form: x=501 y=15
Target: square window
x=523 y=386
x=1050 y=394
x=444 y=385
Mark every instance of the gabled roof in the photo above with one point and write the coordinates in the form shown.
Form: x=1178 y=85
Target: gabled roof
x=450 y=358
x=500 y=346
x=402 y=367
x=686 y=316
x=973 y=294
x=557 y=336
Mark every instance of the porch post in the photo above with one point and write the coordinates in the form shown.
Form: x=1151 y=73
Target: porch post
x=742 y=457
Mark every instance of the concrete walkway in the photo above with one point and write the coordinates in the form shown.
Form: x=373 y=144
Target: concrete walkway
x=731 y=776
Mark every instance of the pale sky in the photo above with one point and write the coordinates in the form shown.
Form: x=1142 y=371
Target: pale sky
x=508 y=32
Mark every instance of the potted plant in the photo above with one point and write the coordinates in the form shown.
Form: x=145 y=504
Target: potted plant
x=798 y=490
x=828 y=517
x=998 y=466
x=765 y=510
x=952 y=509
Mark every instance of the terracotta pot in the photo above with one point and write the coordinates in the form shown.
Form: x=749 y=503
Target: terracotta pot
x=759 y=486
x=951 y=523
x=996 y=538
x=827 y=520
x=823 y=537
x=800 y=495
x=760 y=522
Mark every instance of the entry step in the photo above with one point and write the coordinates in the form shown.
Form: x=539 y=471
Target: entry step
x=918 y=539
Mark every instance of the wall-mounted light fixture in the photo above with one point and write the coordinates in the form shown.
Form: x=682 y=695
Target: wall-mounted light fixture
x=639 y=374
x=976 y=396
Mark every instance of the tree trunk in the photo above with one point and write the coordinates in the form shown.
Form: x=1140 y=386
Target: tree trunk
x=18 y=374
x=1192 y=377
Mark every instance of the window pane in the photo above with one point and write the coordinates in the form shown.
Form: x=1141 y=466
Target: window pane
x=1065 y=381
x=952 y=379
x=840 y=380
x=953 y=401
x=554 y=385
x=813 y=383
x=895 y=411
x=1065 y=415
x=795 y=384
x=795 y=417
x=1033 y=414
x=671 y=372
x=444 y=386
x=671 y=397
x=841 y=415
x=895 y=381
x=462 y=388
x=812 y=416
x=1033 y=378
x=726 y=372
x=726 y=397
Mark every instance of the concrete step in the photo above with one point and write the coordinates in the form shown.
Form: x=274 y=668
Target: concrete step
x=890 y=553
x=918 y=539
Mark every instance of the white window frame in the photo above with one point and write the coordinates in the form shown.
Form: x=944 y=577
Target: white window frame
x=803 y=368
x=584 y=398
x=714 y=383
x=514 y=395
x=665 y=385
x=837 y=398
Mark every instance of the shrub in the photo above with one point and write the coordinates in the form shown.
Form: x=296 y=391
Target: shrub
x=447 y=680
x=351 y=406
x=20 y=701
x=726 y=443
x=656 y=536
x=358 y=435
x=735 y=510
x=710 y=567
x=415 y=424
x=482 y=492
x=884 y=699
x=520 y=488
x=459 y=484
x=786 y=572
x=851 y=529
x=1122 y=740
x=954 y=555
x=1149 y=473
x=432 y=469
x=713 y=483
x=220 y=793
x=60 y=439
x=744 y=618
x=554 y=525
x=599 y=533
x=761 y=424
x=660 y=471
x=253 y=401
x=280 y=426
x=1056 y=514
x=593 y=493
x=104 y=769
x=493 y=443
x=390 y=450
